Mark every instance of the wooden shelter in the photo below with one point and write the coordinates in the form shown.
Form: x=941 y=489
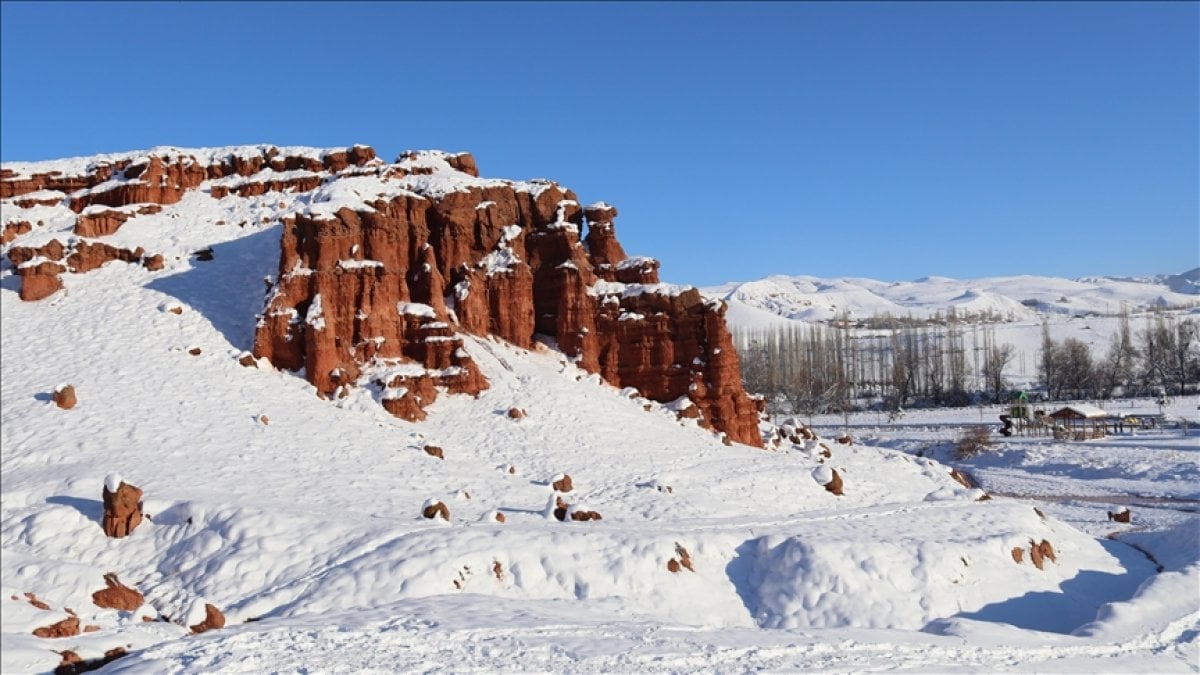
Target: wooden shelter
x=1079 y=421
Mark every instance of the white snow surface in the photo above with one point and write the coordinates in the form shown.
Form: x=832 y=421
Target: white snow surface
x=311 y=524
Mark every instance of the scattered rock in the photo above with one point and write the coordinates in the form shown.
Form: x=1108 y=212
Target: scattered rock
x=835 y=485
x=72 y=663
x=204 y=254
x=585 y=515
x=498 y=570
x=122 y=507
x=117 y=595
x=154 y=263
x=194 y=351
x=33 y=600
x=1047 y=551
x=1121 y=517
x=1018 y=554
x=264 y=419
x=175 y=309
x=562 y=483
x=247 y=360
x=560 y=509
x=985 y=497
x=1039 y=513
x=845 y=440
x=64 y=397
x=435 y=509
x=516 y=413
x=213 y=618
x=962 y=478
x=434 y=451
x=68 y=627
x=500 y=517
x=92 y=628
x=685 y=558
x=673 y=566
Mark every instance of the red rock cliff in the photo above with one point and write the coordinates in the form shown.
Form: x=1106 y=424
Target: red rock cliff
x=374 y=287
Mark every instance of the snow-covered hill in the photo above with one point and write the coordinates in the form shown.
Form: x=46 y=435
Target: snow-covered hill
x=300 y=517
x=1017 y=298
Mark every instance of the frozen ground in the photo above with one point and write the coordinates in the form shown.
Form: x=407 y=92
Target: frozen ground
x=300 y=518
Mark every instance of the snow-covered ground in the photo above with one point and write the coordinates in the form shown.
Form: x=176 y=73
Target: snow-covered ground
x=300 y=518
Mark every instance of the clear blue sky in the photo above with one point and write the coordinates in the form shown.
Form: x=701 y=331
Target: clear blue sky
x=885 y=140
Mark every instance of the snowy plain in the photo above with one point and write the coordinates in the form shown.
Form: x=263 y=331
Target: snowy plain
x=300 y=517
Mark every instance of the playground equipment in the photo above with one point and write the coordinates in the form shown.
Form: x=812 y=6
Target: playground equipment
x=1022 y=419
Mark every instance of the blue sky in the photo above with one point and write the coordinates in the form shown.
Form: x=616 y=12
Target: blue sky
x=889 y=140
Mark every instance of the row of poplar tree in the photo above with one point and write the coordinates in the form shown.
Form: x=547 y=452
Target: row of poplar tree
x=815 y=368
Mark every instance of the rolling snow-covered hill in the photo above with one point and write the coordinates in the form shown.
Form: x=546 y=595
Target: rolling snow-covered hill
x=300 y=515
x=805 y=298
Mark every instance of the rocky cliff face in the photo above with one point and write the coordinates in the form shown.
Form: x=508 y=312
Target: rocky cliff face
x=384 y=267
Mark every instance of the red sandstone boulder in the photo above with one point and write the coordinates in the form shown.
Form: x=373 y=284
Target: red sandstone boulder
x=68 y=627
x=40 y=281
x=562 y=483
x=64 y=397
x=962 y=478
x=213 y=618
x=117 y=595
x=835 y=485
x=33 y=600
x=435 y=509
x=122 y=507
x=14 y=230
x=1123 y=516
x=434 y=451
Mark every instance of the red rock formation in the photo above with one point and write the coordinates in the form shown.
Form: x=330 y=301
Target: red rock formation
x=962 y=478
x=213 y=618
x=563 y=484
x=73 y=664
x=436 y=510
x=64 y=397
x=107 y=221
x=117 y=595
x=40 y=268
x=122 y=510
x=68 y=627
x=33 y=600
x=835 y=485
x=15 y=229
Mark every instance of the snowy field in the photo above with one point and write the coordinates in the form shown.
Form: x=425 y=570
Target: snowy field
x=300 y=518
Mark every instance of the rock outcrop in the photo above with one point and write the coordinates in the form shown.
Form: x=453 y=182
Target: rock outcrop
x=385 y=269
x=372 y=288
x=68 y=627
x=213 y=618
x=122 y=507
x=117 y=595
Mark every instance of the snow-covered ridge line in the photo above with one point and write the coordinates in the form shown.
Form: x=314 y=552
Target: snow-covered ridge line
x=1025 y=297
x=74 y=166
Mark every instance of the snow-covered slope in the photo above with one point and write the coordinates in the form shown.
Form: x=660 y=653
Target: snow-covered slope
x=1018 y=298
x=300 y=517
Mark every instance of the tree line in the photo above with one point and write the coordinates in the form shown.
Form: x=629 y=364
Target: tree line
x=813 y=368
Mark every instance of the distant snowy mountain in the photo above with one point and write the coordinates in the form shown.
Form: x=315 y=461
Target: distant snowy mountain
x=807 y=298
